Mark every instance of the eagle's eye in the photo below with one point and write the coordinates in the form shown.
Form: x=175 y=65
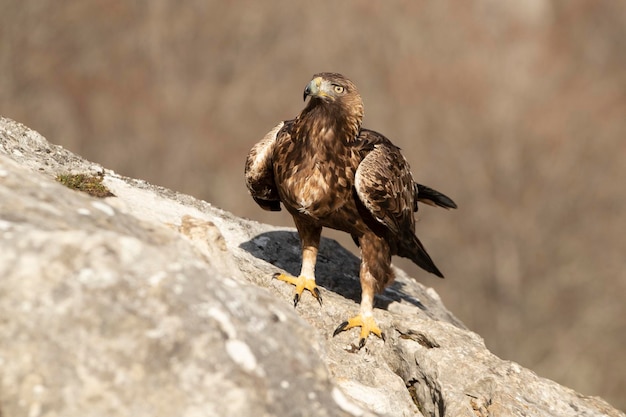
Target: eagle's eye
x=338 y=89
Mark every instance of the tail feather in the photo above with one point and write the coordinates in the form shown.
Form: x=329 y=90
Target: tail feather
x=432 y=197
x=413 y=249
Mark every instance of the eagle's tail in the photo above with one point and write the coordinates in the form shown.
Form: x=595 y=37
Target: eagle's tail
x=413 y=249
x=432 y=197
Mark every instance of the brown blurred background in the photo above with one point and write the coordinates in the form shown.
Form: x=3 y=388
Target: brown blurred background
x=516 y=109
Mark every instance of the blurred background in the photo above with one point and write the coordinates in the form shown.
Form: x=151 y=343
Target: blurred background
x=516 y=109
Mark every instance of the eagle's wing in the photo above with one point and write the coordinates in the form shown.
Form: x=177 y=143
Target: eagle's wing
x=385 y=186
x=259 y=171
x=422 y=193
x=384 y=183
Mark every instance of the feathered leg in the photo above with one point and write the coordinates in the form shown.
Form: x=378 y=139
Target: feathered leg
x=375 y=274
x=310 y=240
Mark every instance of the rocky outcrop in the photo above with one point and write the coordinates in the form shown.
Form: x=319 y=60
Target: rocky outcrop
x=153 y=303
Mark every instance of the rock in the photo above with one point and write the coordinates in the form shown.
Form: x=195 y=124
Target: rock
x=155 y=303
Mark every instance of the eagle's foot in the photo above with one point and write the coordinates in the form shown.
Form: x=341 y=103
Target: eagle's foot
x=367 y=324
x=302 y=283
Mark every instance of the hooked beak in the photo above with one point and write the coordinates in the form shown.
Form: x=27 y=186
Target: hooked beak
x=313 y=88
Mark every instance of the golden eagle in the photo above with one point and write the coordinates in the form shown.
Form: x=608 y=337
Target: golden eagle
x=328 y=171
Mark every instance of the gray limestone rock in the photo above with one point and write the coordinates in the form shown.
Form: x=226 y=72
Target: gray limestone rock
x=154 y=303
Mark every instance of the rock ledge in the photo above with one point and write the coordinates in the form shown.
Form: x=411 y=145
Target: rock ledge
x=154 y=303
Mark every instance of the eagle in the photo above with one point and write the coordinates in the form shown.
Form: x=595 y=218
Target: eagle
x=329 y=171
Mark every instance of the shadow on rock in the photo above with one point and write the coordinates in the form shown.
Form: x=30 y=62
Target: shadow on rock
x=337 y=269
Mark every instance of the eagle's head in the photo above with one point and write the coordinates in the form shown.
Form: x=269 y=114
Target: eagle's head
x=338 y=95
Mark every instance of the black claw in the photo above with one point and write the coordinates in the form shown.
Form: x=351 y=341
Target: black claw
x=340 y=328
x=361 y=343
x=296 y=299
x=275 y=275
x=383 y=336
x=317 y=295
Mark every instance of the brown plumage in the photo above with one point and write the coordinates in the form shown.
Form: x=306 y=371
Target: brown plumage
x=328 y=171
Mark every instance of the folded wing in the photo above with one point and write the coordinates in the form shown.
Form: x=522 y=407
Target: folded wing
x=384 y=185
x=259 y=172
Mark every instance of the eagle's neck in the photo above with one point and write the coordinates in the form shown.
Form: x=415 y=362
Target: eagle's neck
x=329 y=123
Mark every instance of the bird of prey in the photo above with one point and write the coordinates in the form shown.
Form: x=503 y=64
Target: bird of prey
x=328 y=171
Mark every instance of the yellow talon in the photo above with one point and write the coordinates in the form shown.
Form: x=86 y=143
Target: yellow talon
x=302 y=283
x=367 y=324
